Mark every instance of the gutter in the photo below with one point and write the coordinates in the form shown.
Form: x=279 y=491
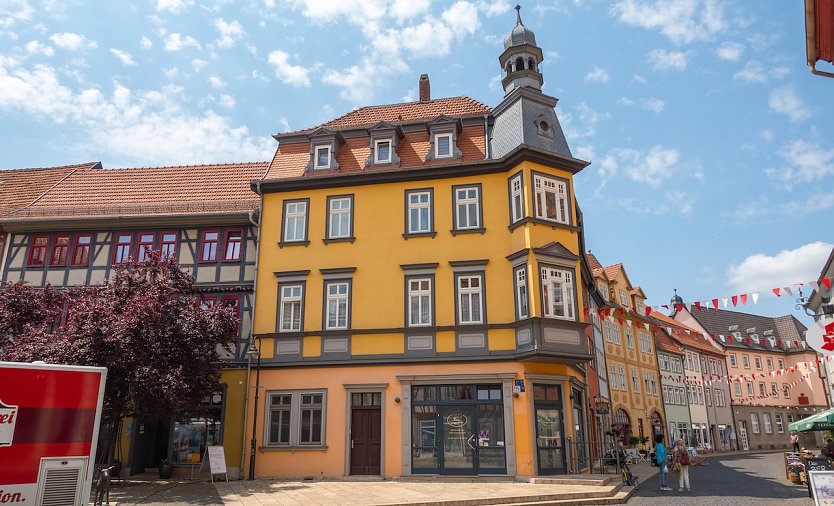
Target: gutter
x=256 y=186
x=811 y=39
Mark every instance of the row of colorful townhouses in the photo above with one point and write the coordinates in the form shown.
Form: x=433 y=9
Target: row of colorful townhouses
x=415 y=297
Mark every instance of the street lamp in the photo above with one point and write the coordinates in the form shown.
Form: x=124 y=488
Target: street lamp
x=254 y=352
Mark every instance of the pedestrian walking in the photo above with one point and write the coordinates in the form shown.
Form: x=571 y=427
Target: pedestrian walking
x=795 y=441
x=680 y=463
x=662 y=457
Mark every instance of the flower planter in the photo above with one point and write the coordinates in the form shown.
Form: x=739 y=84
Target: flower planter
x=794 y=477
x=165 y=470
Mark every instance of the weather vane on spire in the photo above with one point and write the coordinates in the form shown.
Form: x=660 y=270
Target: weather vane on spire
x=518 y=14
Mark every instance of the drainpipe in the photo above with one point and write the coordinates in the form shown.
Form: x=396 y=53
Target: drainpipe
x=486 y=137
x=257 y=224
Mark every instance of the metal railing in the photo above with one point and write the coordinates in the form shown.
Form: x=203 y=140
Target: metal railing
x=592 y=457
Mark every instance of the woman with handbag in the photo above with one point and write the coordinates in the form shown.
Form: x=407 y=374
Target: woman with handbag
x=680 y=464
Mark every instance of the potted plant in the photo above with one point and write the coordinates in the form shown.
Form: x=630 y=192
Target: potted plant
x=166 y=469
x=634 y=441
x=643 y=441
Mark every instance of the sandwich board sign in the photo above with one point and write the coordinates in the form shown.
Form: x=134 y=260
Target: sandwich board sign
x=215 y=459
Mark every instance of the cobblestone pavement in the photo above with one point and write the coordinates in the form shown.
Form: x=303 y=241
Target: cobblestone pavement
x=738 y=480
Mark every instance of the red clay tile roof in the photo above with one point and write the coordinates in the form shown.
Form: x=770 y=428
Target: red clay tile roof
x=405 y=113
x=191 y=189
x=593 y=263
x=21 y=187
x=666 y=343
x=612 y=270
x=691 y=338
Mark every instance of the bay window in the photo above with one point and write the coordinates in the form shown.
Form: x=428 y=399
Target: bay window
x=557 y=293
x=551 y=199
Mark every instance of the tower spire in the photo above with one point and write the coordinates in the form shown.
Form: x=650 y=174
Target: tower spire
x=518 y=15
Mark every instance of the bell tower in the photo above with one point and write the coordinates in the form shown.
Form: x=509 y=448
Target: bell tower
x=521 y=58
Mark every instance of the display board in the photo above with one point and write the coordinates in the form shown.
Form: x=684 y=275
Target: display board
x=822 y=487
x=214 y=461
x=816 y=464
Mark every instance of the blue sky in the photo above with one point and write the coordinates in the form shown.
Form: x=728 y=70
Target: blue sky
x=710 y=141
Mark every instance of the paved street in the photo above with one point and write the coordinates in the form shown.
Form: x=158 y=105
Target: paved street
x=739 y=480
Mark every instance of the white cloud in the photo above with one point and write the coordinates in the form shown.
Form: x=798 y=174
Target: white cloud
x=13 y=12
x=681 y=21
x=672 y=202
x=146 y=43
x=72 y=41
x=216 y=82
x=230 y=32
x=35 y=47
x=176 y=42
x=804 y=162
x=654 y=105
x=760 y=272
x=679 y=199
x=785 y=101
x=665 y=60
x=406 y=9
x=581 y=122
x=294 y=75
x=494 y=7
x=123 y=56
x=352 y=81
x=753 y=72
x=584 y=153
x=198 y=64
x=652 y=168
x=730 y=51
x=133 y=126
x=767 y=134
x=640 y=79
x=227 y=101
x=598 y=75
x=175 y=6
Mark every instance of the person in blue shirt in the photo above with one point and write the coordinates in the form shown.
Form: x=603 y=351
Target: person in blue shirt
x=662 y=457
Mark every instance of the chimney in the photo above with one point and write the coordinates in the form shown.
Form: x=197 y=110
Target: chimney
x=425 y=88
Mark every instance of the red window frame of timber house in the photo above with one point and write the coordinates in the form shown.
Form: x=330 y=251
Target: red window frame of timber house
x=60 y=250
x=204 y=242
x=37 y=250
x=81 y=250
x=235 y=243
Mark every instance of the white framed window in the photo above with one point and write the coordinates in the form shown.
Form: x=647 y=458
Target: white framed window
x=603 y=290
x=443 y=145
x=551 y=199
x=339 y=217
x=769 y=364
x=291 y=308
x=708 y=396
x=613 y=374
x=337 y=305
x=295 y=221
x=621 y=374
x=322 y=160
x=635 y=383
x=521 y=298
x=419 y=212
x=762 y=389
x=737 y=388
x=733 y=362
x=467 y=208
x=758 y=362
x=296 y=418
x=608 y=331
x=646 y=384
x=661 y=362
x=419 y=302
x=516 y=198
x=781 y=364
x=615 y=333
x=700 y=392
x=623 y=299
x=750 y=391
x=557 y=293
x=666 y=397
x=780 y=425
x=630 y=339
x=680 y=396
x=470 y=299
x=774 y=390
x=382 y=151
x=767 y=426
x=786 y=391
x=745 y=361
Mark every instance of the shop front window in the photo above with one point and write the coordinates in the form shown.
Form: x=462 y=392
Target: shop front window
x=458 y=429
x=193 y=434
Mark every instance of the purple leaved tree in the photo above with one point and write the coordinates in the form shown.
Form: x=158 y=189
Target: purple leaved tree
x=161 y=350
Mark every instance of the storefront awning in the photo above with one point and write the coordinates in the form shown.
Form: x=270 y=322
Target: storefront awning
x=819 y=421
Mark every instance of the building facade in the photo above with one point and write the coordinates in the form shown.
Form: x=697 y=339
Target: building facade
x=92 y=219
x=671 y=357
x=819 y=303
x=764 y=351
x=630 y=354
x=418 y=307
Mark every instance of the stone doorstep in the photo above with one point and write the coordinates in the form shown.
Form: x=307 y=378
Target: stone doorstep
x=591 y=480
x=603 y=494
x=621 y=497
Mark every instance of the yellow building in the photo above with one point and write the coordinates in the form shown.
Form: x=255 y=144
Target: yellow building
x=417 y=306
x=630 y=354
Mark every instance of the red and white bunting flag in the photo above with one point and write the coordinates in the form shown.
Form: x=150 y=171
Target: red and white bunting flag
x=827 y=283
x=743 y=298
x=776 y=291
x=724 y=301
x=788 y=291
x=715 y=303
x=698 y=305
x=735 y=300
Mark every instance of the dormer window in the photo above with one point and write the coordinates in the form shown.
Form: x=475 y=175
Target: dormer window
x=322 y=157
x=382 y=150
x=443 y=145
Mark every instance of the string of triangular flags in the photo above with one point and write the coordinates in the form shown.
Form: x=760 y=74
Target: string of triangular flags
x=735 y=300
x=622 y=316
x=709 y=379
x=789 y=386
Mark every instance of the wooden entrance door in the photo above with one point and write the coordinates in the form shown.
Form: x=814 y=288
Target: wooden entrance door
x=365 y=433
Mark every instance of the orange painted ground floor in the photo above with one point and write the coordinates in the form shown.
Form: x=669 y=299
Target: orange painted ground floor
x=496 y=418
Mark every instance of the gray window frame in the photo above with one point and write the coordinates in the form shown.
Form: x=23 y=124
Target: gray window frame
x=306 y=240
x=575 y=296
x=350 y=237
x=281 y=286
x=456 y=229
x=518 y=315
x=328 y=282
x=520 y=176
x=407 y=233
x=467 y=274
x=407 y=305
x=295 y=419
